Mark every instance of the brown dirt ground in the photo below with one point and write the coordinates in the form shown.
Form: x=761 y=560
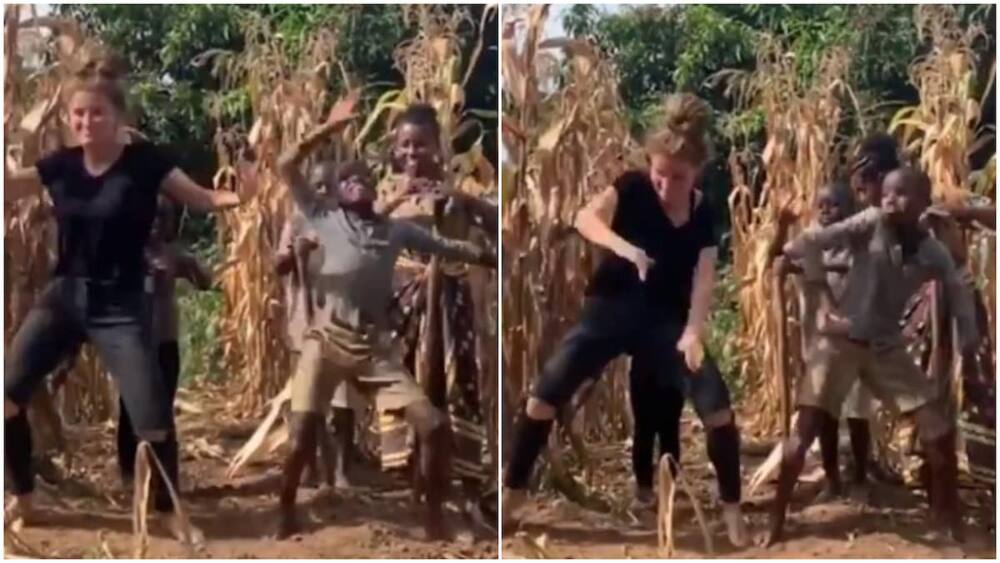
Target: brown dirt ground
x=375 y=520
x=894 y=526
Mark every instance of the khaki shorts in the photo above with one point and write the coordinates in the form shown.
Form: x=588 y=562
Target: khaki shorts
x=347 y=396
x=834 y=365
x=860 y=403
x=370 y=364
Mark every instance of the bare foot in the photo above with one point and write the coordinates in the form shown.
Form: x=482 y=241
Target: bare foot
x=644 y=500
x=435 y=528
x=288 y=525
x=945 y=536
x=343 y=482
x=777 y=533
x=861 y=493
x=476 y=521
x=20 y=512
x=182 y=531
x=736 y=526
x=831 y=493
x=511 y=501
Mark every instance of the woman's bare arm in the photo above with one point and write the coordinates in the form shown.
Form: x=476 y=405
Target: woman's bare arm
x=593 y=222
x=182 y=189
x=701 y=289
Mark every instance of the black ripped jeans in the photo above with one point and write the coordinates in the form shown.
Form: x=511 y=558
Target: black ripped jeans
x=626 y=324
x=114 y=319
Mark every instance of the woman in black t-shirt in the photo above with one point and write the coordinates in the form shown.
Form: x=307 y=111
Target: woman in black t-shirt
x=104 y=196
x=649 y=298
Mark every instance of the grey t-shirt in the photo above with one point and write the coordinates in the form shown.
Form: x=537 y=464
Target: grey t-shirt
x=353 y=279
x=882 y=280
x=294 y=287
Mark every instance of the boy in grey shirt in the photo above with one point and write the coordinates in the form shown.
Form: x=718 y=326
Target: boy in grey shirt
x=892 y=256
x=349 y=338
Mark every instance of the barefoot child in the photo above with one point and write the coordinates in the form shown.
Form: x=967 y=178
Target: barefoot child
x=834 y=203
x=295 y=261
x=892 y=256
x=351 y=334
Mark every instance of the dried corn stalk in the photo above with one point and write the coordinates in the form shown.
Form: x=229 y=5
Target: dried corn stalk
x=567 y=140
x=287 y=98
x=801 y=120
x=945 y=129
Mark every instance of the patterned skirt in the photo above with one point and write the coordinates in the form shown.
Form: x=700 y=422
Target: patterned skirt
x=461 y=374
x=928 y=323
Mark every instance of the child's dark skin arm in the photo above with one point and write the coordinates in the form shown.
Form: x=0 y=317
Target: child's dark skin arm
x=959 y=294
x=484 y=212
x=284 y=256
x=288 y=164
x=421 y=240
x=284 y=263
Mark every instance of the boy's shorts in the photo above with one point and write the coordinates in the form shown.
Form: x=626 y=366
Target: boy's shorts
x=860 y=403
x=835 y=364
x=331 y=355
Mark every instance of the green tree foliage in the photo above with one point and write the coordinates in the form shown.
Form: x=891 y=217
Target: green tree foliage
x=663 y=49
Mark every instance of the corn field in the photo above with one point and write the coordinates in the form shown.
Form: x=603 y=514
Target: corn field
x=288 y=95
x=566 y=139
x=800 y=154
x=940 y=134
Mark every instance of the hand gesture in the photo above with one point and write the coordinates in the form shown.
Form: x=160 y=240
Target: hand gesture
x=832 y=324
x=691 y=347
x=343 y=110
x=787 y=217
x=641 y=260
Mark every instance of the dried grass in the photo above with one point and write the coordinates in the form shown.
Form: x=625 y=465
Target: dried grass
x=567 y=139
x=800 y=155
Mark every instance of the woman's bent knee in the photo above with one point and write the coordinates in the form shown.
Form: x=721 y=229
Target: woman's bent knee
x=718 y=419
x=540 y=410
x=10 y=409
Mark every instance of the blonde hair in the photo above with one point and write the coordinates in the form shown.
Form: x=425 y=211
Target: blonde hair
x=682 y=130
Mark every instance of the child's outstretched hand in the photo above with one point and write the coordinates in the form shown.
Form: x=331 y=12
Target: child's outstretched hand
x=343 y=110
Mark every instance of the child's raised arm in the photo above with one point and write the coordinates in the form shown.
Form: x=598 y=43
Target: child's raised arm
x=304 y=196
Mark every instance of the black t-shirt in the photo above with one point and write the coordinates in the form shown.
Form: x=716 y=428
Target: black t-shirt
x=640 y=219
x=104 y=221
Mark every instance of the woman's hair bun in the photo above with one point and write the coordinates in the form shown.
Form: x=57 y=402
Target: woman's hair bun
x=686 y=114
x=94 y=60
